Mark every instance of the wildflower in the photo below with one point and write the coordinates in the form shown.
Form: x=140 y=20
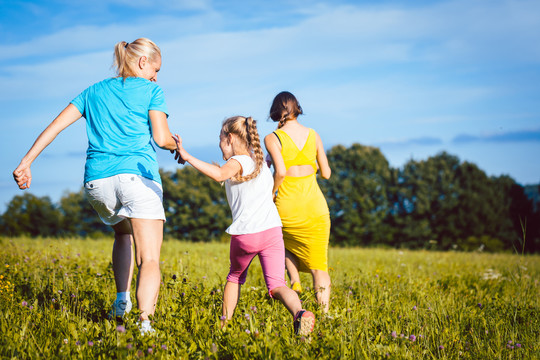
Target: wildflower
x=30 y=307
x=441 y=347
x=150 y=350
x=120 y=328
x=349 y=310
x=72 y=295
x=247 y=331
x=247 y=316
x=204 y=277
x=90 y=343
x=77 y=343
x=129 y=346
x=222 y=318
x=174 y=277
x=518 y=345
x=302 y=338
x=254 y=309
x=53 y=300
x=412 y=338
x=401 y=335
x=65 y=341
x=394 y=334
x=24 y=303
x=376 y=275
x=399 y=276
x=214 y=348
x=414 y=307
x=164 y=347
x=480 y=305
x=183 y=294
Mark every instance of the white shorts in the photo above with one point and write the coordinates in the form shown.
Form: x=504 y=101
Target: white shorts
x=125 y=196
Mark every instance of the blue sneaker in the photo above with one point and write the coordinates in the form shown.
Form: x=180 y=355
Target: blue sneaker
x=120 y=308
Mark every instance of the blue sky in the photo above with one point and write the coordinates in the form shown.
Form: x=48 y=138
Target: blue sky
x=413 y=78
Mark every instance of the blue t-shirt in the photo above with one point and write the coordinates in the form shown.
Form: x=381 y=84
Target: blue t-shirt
x=118 y=127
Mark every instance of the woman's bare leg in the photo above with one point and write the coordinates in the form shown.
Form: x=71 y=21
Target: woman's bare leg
x=122 y=256
x=291 y=263
x=148 y=237
x=322 y=284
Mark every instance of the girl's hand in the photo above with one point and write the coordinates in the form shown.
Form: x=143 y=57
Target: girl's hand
x=181 y=153
x=268 y=160
x=23 y=176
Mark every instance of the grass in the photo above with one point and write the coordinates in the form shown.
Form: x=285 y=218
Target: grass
x=55 y=294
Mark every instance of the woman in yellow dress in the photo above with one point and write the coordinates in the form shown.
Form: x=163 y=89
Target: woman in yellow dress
x=297 y=152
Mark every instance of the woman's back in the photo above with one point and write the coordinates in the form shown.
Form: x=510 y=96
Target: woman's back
x=299 y=149
x=118 y=127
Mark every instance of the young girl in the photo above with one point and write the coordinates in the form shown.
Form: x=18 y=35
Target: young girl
x=121 y=176
x=256 y=227
x=297 y=153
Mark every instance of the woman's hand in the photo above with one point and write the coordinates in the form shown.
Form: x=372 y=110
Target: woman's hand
x=23 y=176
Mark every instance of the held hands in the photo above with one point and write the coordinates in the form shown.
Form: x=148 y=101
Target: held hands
x=23 y=176
x=180 y=154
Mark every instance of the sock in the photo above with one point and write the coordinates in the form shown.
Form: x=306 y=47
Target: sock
x=122 y=296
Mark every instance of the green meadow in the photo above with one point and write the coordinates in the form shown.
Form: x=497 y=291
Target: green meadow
x=386 y=304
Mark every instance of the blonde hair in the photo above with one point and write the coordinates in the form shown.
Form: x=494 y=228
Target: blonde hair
x=245 y=128
x=126 y=55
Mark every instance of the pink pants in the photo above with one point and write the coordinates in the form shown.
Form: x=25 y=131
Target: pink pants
x=269 y=246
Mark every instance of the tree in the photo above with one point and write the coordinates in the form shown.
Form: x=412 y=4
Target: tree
x=357 y=195
x=195 y=205
x=31 y=215
x=79 y=217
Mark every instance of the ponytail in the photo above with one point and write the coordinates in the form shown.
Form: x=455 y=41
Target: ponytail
x=126 y=55
x=285 y=107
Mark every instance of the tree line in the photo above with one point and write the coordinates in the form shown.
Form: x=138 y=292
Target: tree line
x=440 y=203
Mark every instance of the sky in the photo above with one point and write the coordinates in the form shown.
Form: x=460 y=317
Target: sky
x=413 y=78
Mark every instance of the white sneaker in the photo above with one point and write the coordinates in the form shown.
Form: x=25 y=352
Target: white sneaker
x=146 y=328
x=120 y=308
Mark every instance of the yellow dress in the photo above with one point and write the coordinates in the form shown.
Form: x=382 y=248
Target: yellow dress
x=302 y=206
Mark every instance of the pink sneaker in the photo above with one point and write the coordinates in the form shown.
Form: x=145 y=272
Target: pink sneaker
x=304 y=322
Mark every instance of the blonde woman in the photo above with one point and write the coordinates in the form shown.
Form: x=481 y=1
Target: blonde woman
x=121 y=179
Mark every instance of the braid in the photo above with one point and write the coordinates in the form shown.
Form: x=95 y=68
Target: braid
x=254 y=144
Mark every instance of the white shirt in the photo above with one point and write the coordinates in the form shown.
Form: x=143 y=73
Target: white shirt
x=252 y=207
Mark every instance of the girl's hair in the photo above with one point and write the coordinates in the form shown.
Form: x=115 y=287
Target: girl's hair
x=126 y=55
x=246 y=129
x=285 y=107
